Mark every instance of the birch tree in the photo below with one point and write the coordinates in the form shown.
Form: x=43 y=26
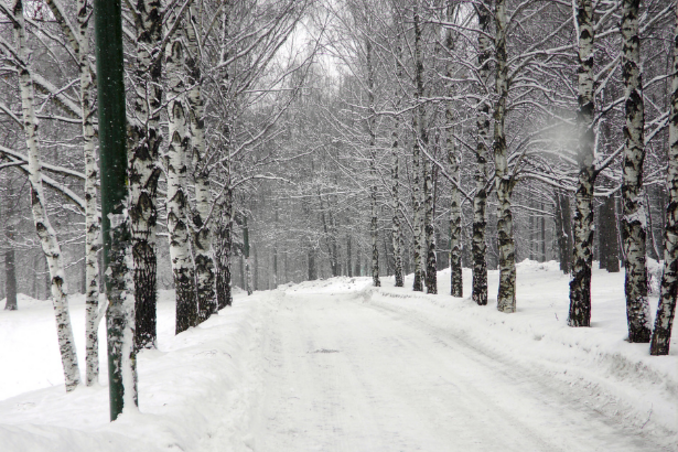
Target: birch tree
x=456 y=284
x=43 y=227
x=202 y=227
x=78 y=40
x=582 y=256
x=92 y=217
x=633 y=193
x=144 y=164
x=504 y=180
x=666 y=310
x=478 y=244
x=418 y=128
x=177 y=200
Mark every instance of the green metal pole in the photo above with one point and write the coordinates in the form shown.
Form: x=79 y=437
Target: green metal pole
x=114 y=190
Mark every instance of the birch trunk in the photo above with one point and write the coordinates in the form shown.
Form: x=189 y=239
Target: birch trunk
x=457 y=287
x=582 y=256
x=504 y=182
x=416 y=158
x=397 y=237
x=224 y=235
x=430 y=243
x=370 y=124
x=478 y=243
x=177 y=201
x=564 y=231
x=456 y=284
x=78 y=40
x=46 y=233
x=224 y=229
x=246 y=245
x=633 y=194
x=144 y=166
x=202 y=227
x=666 y=310
x=397 y=230
x=10 y=281
x=92 y=218
x=607 y=235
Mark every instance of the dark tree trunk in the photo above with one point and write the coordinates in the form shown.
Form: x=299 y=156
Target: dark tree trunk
x=312 y=271
x=607 y=236
x=349 y=259
x=10 y=281
x=564 y=231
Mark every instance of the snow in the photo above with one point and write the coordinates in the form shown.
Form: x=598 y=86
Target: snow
x=339 y=365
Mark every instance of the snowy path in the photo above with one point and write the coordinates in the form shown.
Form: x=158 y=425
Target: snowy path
x=342 y=375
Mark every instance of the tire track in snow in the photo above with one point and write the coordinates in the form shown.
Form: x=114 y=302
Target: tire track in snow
x=394 y=382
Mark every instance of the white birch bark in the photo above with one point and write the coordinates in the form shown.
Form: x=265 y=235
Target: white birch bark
x=177 y=201
x=456 y=283
x=397 y=230
x=478 y=243
x=78 y=40
x=371 y=124
x=202 y=229
x=224 y=230
x=417 y=117
x=504 y=182
x=666 y=310
x=144 y=166
x=633 y=193
x=92 y=218
x=46 y=233
x=431 y=270
x=397 y=233
x=582 y=255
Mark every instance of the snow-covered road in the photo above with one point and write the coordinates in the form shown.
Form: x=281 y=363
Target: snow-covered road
x=337 y=365
x=343 y=375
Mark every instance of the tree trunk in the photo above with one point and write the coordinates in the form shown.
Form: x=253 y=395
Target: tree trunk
x=144 y=166
x=246 y=252
x=580 y=285
x=417 y=117
x=349 y=259
x=633 y=193
x=607 y=235
x=456 y=283
x=177 y=201
x=202 y=228
x=46 y=233
x=666 y=310
x=92 y=218
x=224 y=229
x=370 y=124
x=224 y=235
x=564 y=231
x=10 y=281
x=397 y=234
x=478 y=244
x=504 y=182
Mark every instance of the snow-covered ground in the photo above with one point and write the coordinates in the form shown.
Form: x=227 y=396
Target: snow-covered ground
x=339 y=365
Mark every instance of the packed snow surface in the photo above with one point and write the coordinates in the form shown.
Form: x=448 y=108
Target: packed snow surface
x=337 y=365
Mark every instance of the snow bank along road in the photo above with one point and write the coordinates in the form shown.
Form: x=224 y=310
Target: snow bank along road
x=344 y=374
x=337 y=365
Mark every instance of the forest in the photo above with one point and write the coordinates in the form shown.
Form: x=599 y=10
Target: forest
x=279 y=141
